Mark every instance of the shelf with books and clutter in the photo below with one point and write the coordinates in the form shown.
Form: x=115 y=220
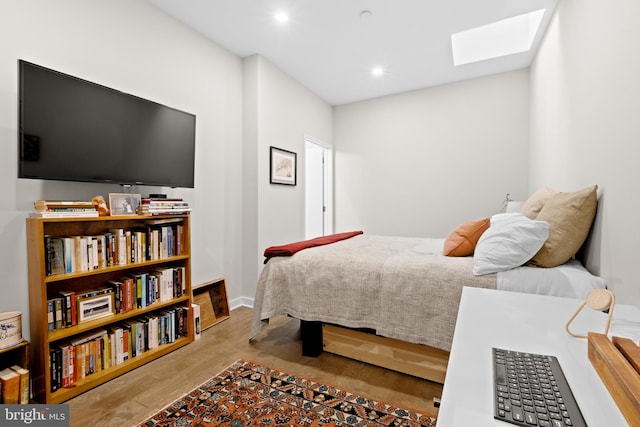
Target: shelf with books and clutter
x=120 y=204
x=14 y=360
x=107 y=294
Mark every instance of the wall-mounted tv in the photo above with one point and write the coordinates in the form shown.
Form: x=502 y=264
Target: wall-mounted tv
x=71 y=129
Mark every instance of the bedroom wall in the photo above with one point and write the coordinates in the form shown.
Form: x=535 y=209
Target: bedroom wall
x=279 y=112
x=132 y=46
x=421 y=162
x=585 y=99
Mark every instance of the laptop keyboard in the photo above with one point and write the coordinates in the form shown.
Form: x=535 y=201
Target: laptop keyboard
x=531 y=390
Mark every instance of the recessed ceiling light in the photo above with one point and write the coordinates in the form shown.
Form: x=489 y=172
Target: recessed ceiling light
x=500 y=38
x=377 y=71
x=282 y=17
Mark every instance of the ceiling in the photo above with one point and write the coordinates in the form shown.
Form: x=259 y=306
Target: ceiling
x=330 y=46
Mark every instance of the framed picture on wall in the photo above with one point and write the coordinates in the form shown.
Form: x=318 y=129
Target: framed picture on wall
x=282 y=166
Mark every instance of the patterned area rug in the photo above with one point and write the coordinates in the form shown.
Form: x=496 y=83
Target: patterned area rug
x=250 y=394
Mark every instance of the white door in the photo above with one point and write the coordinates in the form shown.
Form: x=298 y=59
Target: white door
x=318 y=185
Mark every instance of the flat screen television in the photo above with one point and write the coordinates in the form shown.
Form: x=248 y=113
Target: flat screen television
x=71 y=129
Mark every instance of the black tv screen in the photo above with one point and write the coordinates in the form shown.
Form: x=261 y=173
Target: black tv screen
x=75 y=130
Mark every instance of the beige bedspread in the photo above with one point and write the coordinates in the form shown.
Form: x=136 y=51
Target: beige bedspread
x=401 y=287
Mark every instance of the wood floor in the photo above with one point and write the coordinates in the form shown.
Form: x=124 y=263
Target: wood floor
x=133 y=397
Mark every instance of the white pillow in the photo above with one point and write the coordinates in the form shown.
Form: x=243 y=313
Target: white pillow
x=511 y=240
x=569 y=280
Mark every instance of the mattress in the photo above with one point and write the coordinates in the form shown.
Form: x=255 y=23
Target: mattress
x=400 y=287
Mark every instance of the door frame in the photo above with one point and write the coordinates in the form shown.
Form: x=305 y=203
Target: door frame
x=327 y=183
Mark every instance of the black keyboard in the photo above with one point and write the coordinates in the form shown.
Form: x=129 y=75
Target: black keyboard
x=531 y=390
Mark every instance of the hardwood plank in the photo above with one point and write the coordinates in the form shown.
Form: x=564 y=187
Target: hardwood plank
x=131 y=398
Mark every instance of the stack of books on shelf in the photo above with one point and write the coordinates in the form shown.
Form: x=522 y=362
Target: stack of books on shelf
x=14 y=385
x=163 y=206
x=64 y=209
x=95 y=351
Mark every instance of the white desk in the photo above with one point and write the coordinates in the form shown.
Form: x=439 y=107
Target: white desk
x=533 y=324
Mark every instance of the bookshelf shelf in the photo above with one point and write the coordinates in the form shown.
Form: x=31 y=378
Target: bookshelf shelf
x=101 y=377
x=69 y=276
x=43 y=288
x=60 y=334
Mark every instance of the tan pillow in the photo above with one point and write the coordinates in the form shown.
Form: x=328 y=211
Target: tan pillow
x=570 y=216
x=463 y=239
x=533 y=205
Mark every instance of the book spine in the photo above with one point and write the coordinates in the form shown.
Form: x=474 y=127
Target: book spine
x=58 y=315
x=51 y=315
x=102 y=251
x=180 y=239
x=47 y=254
x=94 y=253
x=79 y=368
x=77 y=249
x=72 y=364
x=68 y=304
x=53 y=369
x=56 y=255
x=10 y=386
x=24 y=386
x=68 y=254
x=65 y=366
x=84 y=258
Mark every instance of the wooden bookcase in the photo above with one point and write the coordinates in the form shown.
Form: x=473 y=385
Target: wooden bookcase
x=43 y=287
x=213 y=301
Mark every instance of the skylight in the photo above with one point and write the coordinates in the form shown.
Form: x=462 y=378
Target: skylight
x=500 y=38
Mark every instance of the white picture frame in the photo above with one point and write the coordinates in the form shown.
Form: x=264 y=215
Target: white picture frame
x=95 y=307
x=123 y=204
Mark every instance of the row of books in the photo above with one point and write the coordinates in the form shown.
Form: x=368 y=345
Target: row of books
x=135 y=291
x=162 y=206
x=71 y=254
x=14 y=385
x=64 y=209
x=96 y=351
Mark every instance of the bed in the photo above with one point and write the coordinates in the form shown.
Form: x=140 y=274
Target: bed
x=393 y=301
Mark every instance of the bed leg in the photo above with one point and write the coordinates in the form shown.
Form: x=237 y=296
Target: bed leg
x=311 y=334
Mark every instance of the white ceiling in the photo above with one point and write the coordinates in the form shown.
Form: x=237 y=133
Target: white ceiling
x=329 y=48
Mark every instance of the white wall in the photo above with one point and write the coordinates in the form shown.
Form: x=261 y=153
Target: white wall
x=131 y=46
x=585 y=101
x=279 y=112
x=419 y=163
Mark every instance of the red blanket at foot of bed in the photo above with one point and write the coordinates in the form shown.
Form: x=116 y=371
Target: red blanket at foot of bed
x=292 y=248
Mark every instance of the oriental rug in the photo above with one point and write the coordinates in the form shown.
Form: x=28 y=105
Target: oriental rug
x=250 y=394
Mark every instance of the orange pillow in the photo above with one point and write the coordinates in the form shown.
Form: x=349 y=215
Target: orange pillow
x=462 y=239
